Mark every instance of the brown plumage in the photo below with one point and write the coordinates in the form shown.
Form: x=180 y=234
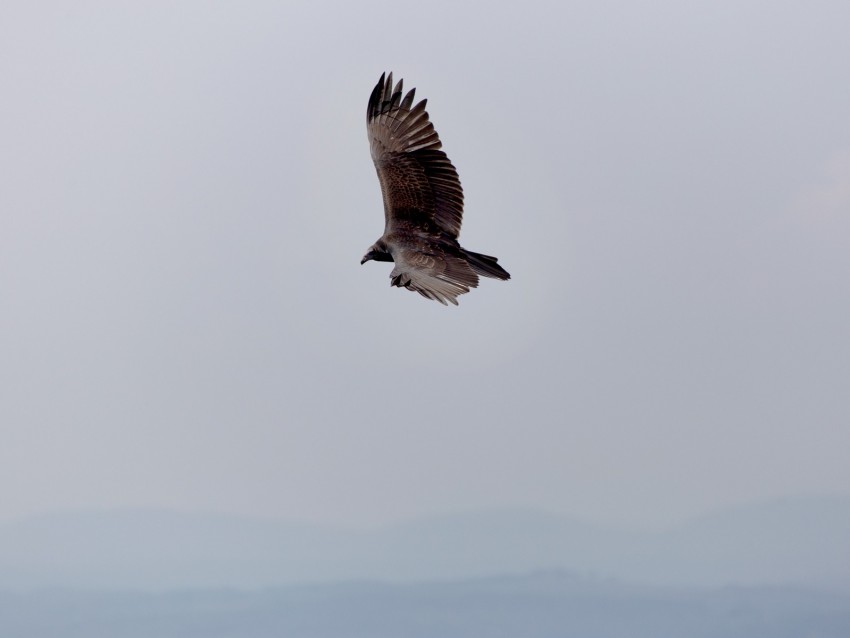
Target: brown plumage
x=423 y=201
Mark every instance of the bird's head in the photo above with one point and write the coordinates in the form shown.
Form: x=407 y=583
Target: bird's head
x=377 y=252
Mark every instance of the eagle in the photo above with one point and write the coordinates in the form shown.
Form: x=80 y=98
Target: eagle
x=423 y=201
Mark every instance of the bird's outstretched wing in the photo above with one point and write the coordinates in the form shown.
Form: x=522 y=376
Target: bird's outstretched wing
x=433 y=273
x=419 y=184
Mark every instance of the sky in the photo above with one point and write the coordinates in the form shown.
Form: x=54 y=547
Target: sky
x=187 y=193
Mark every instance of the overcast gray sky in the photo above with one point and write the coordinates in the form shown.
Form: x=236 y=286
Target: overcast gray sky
x=187 y=193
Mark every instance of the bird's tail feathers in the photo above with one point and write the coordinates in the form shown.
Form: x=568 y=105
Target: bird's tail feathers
x=486 y=265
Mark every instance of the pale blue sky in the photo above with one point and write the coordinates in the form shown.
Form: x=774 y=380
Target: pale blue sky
x=187 y=192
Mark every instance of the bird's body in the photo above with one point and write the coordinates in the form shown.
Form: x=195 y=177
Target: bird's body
x=423 y=201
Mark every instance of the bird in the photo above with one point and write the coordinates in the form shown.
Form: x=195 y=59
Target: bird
x=423 y=201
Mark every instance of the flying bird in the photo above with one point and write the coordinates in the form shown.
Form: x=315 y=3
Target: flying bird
x=423 y=201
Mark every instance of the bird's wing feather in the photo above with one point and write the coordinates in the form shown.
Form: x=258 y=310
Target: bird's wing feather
x=432 y=273
x=418 y=182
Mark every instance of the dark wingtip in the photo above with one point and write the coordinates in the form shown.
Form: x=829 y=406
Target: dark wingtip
x=373 y=107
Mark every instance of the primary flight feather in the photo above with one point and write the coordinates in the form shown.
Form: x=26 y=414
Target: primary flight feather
x=423 y=201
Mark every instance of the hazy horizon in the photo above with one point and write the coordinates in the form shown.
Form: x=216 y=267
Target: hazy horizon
x=796 y=542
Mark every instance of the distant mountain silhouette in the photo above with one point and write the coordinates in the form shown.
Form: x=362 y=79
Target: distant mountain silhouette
x=548 y=605
x=800 y=541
